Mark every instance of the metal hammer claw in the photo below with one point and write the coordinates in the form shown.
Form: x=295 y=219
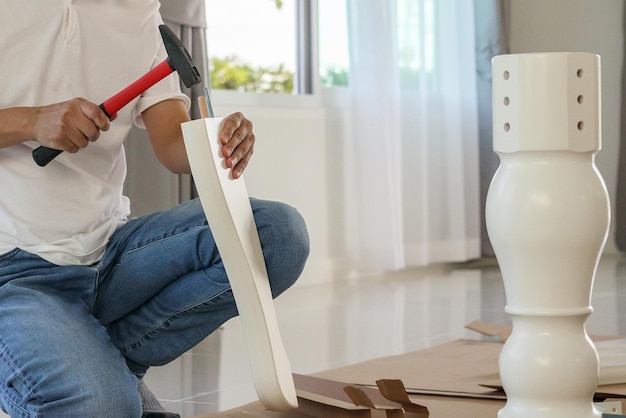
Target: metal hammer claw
x=178 y=60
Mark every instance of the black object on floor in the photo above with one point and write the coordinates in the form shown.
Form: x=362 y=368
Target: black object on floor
x=160 y=415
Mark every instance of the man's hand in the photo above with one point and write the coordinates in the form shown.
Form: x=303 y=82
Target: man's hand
x=163 y=122
x=71 y=125
x=237 y=141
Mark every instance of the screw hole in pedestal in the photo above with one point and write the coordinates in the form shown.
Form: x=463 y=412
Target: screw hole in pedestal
x=580 y=99
x=505 y=75
x=581 y=125
x=507 y=127
x=580 y=73
x=506 y=101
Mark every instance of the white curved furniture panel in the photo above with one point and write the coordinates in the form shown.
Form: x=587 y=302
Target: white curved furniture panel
x=227 y=207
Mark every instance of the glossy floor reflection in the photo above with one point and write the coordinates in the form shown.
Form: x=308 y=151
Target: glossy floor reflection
x=347 y=322
x=351 y=321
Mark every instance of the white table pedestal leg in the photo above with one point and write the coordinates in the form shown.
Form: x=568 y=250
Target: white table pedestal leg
x=549 y=365
x=547 y=216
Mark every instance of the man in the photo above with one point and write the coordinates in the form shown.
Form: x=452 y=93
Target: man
x=89 y=300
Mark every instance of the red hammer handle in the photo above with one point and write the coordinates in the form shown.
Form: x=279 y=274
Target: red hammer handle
x=112 y=105
x=43 y=155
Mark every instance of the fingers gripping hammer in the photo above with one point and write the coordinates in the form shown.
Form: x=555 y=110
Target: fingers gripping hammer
x=178 y=60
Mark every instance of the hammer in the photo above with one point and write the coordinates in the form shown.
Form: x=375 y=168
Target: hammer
x=178 y=59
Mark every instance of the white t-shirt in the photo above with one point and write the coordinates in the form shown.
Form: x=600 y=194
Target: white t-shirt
x=52 y=51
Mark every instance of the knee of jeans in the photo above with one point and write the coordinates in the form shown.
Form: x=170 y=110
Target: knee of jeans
x=286 y=246
x=96 y=400
x=126 y=401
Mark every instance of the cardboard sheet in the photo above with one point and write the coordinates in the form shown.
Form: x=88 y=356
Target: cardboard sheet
x=457 y=368
x=461 y=368
x=437 y=407
x=448 y=379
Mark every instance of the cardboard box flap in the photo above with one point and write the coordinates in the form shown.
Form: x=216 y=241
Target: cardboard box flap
x=394 y=390
x=501 y=331
x=327 y=391
x=356 y=398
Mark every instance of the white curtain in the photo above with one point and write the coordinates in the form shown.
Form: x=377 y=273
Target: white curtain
x=412 y=156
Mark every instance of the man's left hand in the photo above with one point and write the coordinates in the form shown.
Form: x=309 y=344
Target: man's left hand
x=237 y=141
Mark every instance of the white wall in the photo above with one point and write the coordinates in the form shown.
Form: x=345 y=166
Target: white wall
x=581 y=26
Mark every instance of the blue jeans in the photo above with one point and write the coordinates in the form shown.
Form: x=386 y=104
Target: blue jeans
x=74 y=339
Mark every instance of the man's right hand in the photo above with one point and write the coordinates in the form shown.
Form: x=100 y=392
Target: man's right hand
x=70 y=125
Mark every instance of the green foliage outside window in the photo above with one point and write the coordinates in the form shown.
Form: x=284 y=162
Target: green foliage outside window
x=231 y=73
x=334 y=76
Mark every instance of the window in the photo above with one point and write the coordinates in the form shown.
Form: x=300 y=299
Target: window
x=272 y=46
x=253 y=45
x=333 y=43
x=287 y=46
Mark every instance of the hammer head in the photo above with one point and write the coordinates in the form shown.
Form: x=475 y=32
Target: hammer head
x=178 y=58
